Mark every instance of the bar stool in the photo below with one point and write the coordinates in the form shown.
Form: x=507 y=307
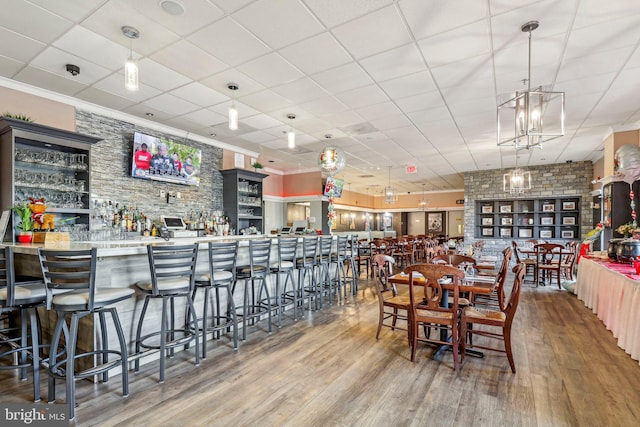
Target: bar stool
x=75 y=271
x=286 y=264
x=172 y=276
x=325 y=253
x=306 y=265
x=25 y=298
x=339 y=257
x=257 y=270
x=221 y=277
x=352 y=254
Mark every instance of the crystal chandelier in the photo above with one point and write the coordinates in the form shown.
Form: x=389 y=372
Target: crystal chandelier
x=517 y=181
x=390 y=193
x=536 y=116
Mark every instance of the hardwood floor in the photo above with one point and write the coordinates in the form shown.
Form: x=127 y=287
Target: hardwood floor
x=329 y=370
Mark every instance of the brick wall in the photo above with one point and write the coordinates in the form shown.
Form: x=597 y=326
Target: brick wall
x=563 y=179
x=111 y=170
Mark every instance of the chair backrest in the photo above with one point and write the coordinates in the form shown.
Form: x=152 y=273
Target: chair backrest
x=432 y=289
x=69 y=270
x=259 y=257
x=309 y=251
x=548 y=253
x=384 y=265
x=341 y=247
x=172 y=262
x=287 y=249
x=7 y=277
x=511 y=304
x=453 y=259
x=502 y=274
x=514 y=244
x=326 y=248
x=222 y=257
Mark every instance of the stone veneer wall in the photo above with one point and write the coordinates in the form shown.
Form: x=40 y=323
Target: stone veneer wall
x=563 y=179
x=111 y=171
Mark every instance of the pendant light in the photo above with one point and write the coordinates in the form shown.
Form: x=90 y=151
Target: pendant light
x=517 y=181
x=390 y=193
x=131 y=66
x=424 y=203
x=536 y=116
x=291 y=135
x=233 y=111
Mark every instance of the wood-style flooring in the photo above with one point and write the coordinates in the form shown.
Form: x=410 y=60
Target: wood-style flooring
x=329 y=370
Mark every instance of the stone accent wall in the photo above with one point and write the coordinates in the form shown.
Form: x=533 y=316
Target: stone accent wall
x=111 y=171
x=563 y=179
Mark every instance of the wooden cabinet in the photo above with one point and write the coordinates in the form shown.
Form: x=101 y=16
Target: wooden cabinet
x=43 y=162
x=548 y=218
x=243 y=199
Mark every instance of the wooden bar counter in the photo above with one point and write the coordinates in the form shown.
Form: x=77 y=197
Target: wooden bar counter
x=121 y=264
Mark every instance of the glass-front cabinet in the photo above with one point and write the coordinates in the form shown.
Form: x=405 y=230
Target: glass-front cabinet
x=45 y=164
x=243 y=200
x=548 y=218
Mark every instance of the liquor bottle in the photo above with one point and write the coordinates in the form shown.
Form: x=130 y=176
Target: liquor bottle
x=154 y=230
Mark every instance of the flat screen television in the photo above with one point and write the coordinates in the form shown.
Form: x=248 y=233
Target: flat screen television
x=333 y=187
x=160 y=159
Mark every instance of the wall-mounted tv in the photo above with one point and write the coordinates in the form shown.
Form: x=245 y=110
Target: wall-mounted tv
x=160 y=159
x=333 y=187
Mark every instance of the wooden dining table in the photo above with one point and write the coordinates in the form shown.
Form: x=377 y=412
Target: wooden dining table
x=472 y=284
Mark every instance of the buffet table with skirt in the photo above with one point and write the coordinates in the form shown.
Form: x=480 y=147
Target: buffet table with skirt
x=612 y=291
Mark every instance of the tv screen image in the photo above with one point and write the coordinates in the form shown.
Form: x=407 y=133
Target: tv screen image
x=160 y=159
x=333 y=187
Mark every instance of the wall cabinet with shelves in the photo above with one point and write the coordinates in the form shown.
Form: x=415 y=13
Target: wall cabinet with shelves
x=548 y=218
x=42 y=162
x=243 y=199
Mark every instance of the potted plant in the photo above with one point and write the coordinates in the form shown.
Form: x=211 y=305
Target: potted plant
x=25 y=226
x=257 y=166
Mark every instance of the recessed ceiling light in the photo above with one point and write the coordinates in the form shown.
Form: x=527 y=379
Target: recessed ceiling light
x=270 y=161
x=213 y=134
x=148 y=114
x=172 y=7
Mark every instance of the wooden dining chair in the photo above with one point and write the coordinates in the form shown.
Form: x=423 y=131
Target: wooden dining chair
x=569 y=260
x=429 y=311
x=492 y=299
x=454 y=260
x=501 y=318
x=391 y=304
x=548 y=262
x=529 y=261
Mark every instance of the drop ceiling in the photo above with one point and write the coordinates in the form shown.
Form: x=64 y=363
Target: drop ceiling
x=393 y=83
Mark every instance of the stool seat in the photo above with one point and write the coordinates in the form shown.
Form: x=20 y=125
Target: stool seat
x=283 y=265
x=164 y=285
x=24 y=294
x=220 y=276
x=80 y=300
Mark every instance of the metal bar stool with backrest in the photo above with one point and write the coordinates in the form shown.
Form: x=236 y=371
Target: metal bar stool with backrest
x=221 y=277
x=286 y=264
x=75 y=271
x=352 y=256
x=338 y=258
x=25 y=298
x=257 y=270
x=172 y=276
x=306 y=264
x=325 y=253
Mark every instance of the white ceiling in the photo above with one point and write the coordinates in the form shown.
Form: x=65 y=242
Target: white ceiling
x=395 y=82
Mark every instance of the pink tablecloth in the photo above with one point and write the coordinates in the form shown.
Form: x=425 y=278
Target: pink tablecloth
x=612 y=291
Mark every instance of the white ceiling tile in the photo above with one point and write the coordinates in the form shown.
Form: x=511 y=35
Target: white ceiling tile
x=33 y=21
x=188 y=59
x=345 y=118
x=115 y=84
x=363 y=96
x=54 y=61
x=270 y=70
x=345 y=77
x=109 y=19
x=159 y=76
x=74 y=10
x=280 y=23
x=310 y=125
x=458 y=72
x=18 y=47
x=265 y=100
x=143 y=111
x=199 y=94
x=376 y=32
x=106 y=99
x=590 y=65
x=38 y=77
x=457 y=44
x=590 y=84
x=244 y=110
x=8 y=66
x=426 y=18
x=427 y=117
x=197 y=13
x=326 y=105
x=230 y=5
x=390 y=122
x=93 y=47
x=394 y=63
x=262 y=121
x=206 y=117
x=316 y=54
x=408 y=85
x=590 y=12
x=335 y=12
x=384 y=109
x=257 y=137
x=246 y=85
x=603 y=37
x=171 y=104
x=245 y=45
x=419 y=102
x=301 y=90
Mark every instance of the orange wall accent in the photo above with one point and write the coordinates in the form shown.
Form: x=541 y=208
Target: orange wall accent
x=615 y=141
x=302 y=184
x=42 y=111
